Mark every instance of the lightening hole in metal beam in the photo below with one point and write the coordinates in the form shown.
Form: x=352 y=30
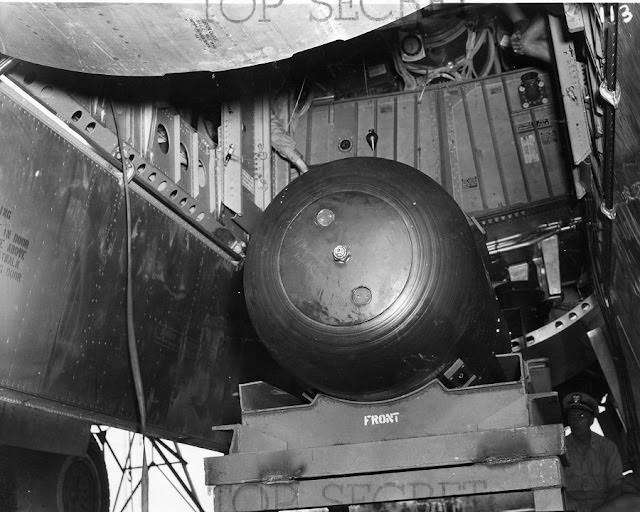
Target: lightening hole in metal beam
x=200 y=217
x=184 y=158
x=152 y=177
x=141 y=168
x=90 y=127
x=173 y=194
x=29 y=78
x=192 y=210
x=162 y=138
x=76 y=116
x=183 y=201
x=162 y=186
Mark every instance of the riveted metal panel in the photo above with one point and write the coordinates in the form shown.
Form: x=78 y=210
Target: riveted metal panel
x=428 y=135
x=406 y=130
x=550 y=144
x=570 y=75
x=91 y=117
x=230 y=153
x=485 y=160
x=501 y=129
x=492 y=143
x=386 y=127
x=245 y=150
x=531 y=159
x=318 y=139
x=63 y=345
x=260 y=161
x=464 y=178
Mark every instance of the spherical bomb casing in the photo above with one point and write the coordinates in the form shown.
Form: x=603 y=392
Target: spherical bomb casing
x=364 y=280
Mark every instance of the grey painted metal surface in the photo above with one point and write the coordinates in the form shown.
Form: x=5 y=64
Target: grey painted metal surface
x=394 y=486
x=144 y=38
x=625 y=258
x=430 y=443
x=431 y=410
x=29 y=428
x=394 y=455
x=564 y=340
x=493 y=143
x=162 y=175
x=570 y=76
x=62 y=314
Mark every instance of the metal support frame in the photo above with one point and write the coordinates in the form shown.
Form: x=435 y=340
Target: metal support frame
x=586 y=311
x=177 y=476
x=433 y=443
x=539 y=475
x=165 y=183
x=607 y=206
x=571 y=81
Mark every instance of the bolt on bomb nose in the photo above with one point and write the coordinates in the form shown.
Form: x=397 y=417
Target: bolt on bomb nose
x=341 y=254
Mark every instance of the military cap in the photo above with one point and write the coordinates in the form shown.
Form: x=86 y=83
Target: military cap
x=580 y=400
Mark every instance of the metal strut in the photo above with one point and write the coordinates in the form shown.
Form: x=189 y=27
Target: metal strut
x=170 y=458
x=612 y=100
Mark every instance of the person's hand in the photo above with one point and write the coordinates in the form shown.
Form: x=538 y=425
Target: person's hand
x=301 y=165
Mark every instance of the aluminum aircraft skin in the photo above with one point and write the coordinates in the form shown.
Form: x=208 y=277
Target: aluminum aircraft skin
x=146 y=39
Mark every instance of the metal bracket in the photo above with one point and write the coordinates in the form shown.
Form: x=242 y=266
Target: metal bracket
x=129 y=171
x=609 y=213
x=49 y=90
x=611 y=97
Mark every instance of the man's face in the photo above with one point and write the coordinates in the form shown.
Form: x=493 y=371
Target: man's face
x=579 y=420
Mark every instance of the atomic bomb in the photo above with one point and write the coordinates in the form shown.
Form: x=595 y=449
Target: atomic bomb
x=364 y=281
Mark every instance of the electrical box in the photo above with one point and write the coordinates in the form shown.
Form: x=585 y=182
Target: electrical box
x=492 y=143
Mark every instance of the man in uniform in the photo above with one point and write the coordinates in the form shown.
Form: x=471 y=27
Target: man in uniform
x=594 y=472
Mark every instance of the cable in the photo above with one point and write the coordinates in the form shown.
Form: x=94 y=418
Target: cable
x=364 y=72
x=293 y=110
x=131 y=335
x=491 y=54
x=462 y=68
